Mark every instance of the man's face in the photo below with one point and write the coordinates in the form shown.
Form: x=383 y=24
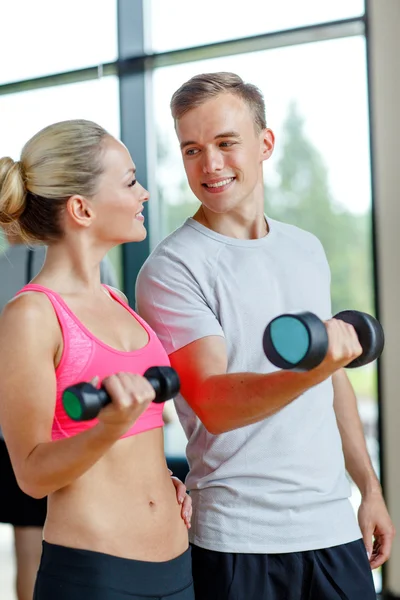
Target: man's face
x=223 y=153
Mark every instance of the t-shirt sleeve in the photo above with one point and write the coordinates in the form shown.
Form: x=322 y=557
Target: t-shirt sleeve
x=171 y=300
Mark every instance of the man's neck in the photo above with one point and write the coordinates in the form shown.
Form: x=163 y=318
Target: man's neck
x=234 y=225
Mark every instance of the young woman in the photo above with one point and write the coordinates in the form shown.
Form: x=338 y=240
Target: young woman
x=18 y=265
x=114 y=529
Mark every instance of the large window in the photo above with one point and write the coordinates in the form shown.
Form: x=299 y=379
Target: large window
x=44 y=37
x=180 y=24
x=25 y=113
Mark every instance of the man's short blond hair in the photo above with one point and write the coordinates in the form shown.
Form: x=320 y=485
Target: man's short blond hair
x=205 y=86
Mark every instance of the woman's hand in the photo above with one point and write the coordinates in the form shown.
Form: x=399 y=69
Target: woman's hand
x=130 y=395
x=183 y=498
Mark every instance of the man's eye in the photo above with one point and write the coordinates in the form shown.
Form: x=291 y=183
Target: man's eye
x=226 y=144
x=191 y=151
x=132 y=183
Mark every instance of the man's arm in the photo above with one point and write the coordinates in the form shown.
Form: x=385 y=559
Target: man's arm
x=170 y=298
x=373 y=517
x=225 y=401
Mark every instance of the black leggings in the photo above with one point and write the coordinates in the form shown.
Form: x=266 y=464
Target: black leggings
x=71 y=574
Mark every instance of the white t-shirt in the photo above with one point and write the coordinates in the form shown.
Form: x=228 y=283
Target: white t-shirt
x=278 y=485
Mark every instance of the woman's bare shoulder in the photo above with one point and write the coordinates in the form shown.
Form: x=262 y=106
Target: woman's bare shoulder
x=29 y=310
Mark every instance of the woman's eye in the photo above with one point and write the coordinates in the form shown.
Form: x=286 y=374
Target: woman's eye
x=132 y=183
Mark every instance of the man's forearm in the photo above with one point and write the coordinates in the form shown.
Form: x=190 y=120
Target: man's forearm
x=229 y=401
x=358 y=462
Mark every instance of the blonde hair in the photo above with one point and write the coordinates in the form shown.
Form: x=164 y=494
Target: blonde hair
x=205 y=86
x=58 y=162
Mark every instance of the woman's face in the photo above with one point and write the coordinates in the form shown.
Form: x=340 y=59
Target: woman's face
x=118 y=202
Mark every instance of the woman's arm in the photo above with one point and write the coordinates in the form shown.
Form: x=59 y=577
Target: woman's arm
x=30 y=339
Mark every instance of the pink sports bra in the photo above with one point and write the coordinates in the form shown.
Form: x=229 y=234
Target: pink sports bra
x=85 y=356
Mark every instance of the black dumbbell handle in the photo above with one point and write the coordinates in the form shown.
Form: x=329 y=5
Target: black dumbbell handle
x=370 y=335
x=105 y=398
x=83 y=401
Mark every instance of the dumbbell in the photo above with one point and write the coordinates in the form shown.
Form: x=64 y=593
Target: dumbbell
x=83 y=401
x=299 y=341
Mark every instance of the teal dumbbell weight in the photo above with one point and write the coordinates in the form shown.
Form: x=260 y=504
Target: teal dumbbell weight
x=83 y=401
x=299 y=341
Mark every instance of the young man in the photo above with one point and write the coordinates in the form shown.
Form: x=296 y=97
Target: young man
x=267 y=449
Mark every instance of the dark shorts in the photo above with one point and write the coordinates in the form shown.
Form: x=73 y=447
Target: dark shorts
x=338 y=573
x=71 y=574
x=16 y=507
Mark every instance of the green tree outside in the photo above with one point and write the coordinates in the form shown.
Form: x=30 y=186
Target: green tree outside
x=303 y=198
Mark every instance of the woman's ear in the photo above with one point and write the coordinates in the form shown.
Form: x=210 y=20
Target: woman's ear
x=79 y=209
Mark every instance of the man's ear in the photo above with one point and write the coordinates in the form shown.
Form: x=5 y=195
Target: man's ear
x=79 y=209
x=267 y=143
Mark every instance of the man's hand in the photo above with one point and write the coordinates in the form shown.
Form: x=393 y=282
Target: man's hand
x=183 y=498
x=375 y=522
